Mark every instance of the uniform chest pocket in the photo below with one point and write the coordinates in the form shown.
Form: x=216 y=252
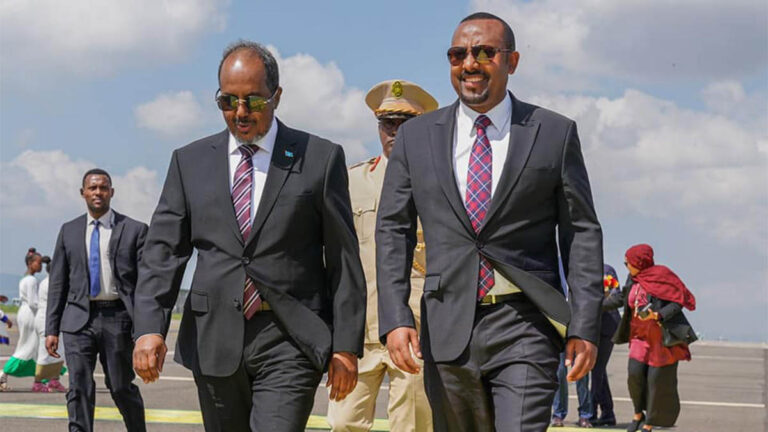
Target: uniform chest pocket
x=364 y=213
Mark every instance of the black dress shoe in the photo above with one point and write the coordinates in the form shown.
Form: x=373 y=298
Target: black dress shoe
x=635 y=424
x=610 y=421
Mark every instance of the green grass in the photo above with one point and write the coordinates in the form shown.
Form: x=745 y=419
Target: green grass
x=9 y=308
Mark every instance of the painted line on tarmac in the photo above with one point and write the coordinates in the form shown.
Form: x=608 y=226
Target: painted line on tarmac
x=162 y=378
x=697 y=403
x=44 y=411
x=163 y=416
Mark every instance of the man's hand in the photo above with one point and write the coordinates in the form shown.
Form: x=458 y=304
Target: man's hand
x=149 y=356
x=9 y=323
x=51 y=345
x=581 y=354
x=342 y=375
x=400 y=342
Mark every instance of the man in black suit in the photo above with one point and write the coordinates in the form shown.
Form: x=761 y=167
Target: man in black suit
x=495 y=182
x=279 y=289
x=90 y=300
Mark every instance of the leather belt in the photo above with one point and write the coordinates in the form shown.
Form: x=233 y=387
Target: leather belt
x=494 y=299
x=107 y=304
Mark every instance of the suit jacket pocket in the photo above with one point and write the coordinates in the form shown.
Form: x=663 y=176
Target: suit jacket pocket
x=198 y=301
x=432 y=283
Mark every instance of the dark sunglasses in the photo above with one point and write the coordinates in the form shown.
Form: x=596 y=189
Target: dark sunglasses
x=481 y=53
x=228 y=102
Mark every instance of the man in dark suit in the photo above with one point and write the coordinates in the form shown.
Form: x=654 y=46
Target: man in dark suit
x=90 y=299
x=495 y=182
x=279 y=289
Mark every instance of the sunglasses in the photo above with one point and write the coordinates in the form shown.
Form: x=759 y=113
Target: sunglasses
x=481 y=53
x=228 y=102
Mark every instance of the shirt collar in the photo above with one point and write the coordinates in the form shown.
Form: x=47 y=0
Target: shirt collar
x=500 y=115
x=265 y=143
x=106 y=220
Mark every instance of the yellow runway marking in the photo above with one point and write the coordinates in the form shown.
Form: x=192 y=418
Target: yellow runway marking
x=45 y=411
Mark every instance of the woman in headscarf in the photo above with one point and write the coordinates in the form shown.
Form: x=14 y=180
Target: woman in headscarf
x=654 y=297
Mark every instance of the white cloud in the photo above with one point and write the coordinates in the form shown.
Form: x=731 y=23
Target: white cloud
x=315 y=98
x=669 y=162
x=45 y=185
x=567 y=45
x=98 y=36
x=171 y=114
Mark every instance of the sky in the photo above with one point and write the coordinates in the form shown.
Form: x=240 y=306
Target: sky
x=670 y=98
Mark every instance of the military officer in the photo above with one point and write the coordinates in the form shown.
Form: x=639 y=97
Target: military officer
x=392 y=102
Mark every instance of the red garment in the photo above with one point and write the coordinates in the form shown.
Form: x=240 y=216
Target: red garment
x=645 y=338
x=658 y=280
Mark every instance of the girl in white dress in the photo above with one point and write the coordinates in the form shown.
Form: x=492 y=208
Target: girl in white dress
x=48 y=368
x=22 y=362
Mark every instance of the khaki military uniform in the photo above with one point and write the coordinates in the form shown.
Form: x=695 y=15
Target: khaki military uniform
x=408 y=406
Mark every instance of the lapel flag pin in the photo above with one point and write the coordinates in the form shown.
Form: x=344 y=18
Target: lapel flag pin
x=288 y=154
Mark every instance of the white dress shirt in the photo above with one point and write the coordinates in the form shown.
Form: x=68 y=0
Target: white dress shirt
x=464 y=138
x=106 y=223
x=261 y=160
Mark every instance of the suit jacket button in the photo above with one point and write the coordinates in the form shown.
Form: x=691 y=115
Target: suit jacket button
x=246 y=260
x=236 y=303
x=479 y=245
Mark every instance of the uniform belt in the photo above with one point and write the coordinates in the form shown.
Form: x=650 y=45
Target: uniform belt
x=107 y=304
x=502 y=298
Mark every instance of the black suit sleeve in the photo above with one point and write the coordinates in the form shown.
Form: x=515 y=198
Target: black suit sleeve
x=395 y=239
x=581 y=242
x=58 y=287
x=342 y=259
x=164 y=257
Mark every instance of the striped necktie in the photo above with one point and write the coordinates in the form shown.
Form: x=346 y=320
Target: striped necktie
x=478 y=195
x=241 y=199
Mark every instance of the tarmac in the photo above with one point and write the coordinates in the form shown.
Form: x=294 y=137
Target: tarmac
x=722 y=389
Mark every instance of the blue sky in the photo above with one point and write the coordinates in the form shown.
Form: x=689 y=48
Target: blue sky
x=671 y=102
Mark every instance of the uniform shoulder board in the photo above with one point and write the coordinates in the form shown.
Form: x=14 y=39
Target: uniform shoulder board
x=365 y=162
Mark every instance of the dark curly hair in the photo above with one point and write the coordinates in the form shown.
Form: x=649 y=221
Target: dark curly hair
x=31 y=254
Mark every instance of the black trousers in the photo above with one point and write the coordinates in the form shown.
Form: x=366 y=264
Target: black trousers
x=108 y=336
x=272 y=390
x=601 y=389
x=504 y=380
x=654 y=390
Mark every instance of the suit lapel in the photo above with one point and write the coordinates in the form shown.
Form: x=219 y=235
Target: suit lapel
x=522 y=135
x=283 y=159
x=220 y=175
x=114 y=240
x=441 y=141
x=80 y=241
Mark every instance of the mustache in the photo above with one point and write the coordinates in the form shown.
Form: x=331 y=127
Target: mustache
x=465 y=74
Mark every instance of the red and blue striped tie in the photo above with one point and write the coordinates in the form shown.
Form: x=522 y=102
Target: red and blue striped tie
x=241 y=199
x=478 y=195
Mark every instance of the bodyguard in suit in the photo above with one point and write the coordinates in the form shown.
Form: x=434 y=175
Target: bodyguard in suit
x=278 y=295
x=90 y=300
x=495 y=182
x=393 y=102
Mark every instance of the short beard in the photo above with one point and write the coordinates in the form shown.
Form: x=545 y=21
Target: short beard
x=473 y=99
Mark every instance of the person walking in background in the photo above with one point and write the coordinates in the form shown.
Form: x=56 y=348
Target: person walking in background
x=560 y=403
x=90 y=301
x=22 y=362
x=601 y=389
x=393 y=103
x=49 y=368
x=658 y=334
x=4 y=337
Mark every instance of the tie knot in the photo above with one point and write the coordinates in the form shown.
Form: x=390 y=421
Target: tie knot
x=96 y=223
x=247 y=150
x=482 y=121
